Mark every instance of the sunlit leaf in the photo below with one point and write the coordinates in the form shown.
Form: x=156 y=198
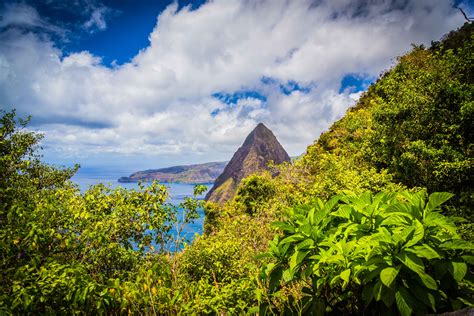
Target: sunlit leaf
x=458 y=270
x=388 y=275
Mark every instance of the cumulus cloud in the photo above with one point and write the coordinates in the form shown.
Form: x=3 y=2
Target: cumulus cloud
x=163 y=101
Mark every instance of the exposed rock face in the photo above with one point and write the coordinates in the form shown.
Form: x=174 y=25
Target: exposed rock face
x=259 y=148
x=200 y=173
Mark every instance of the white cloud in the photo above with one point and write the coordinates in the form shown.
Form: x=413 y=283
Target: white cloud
x=161 y=102
x=20 y=15
x=97 y=19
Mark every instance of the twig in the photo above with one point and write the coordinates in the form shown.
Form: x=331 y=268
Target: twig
x=465 y=15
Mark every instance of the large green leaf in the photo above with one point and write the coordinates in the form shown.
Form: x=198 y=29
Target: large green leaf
x=458 y=270
x=388 y=296
x=412 y=262
x=283 y=249
x=269 y=268
x=368 y=293
x=287 y=275
x=284 y=226
x=318 y=217
x=405 y=234
x=418 y=234
x=416 y=203
x=416 y=265
x=399 y=208
x=292 y=238
x=396 y=218
x=428 y=281
x=311 y=215
x=438 y=198
x=378 y=288
x=402 y=298
x=424 y=251
x=297 y=258
x=468 y=259
x=305 y=229
x=345 y=275
x=314 y=307
x=332 y=203
x=344 y=211
x=305 y=244
x=275 y=278
x=388 y=275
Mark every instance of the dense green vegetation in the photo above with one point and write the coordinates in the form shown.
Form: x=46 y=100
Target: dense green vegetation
x=362 y=223
x=63 y=250
x=379 y=253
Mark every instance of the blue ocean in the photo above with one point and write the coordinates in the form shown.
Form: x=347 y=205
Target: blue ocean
x=87 y=176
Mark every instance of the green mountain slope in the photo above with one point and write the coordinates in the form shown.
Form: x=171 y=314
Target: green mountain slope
x=413 y=127
x=412 y=130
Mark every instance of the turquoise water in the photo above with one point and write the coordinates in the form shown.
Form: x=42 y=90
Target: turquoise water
x=86 y=177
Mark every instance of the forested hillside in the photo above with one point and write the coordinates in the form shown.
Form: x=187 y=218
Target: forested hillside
x=375 y=218
x=192 y=174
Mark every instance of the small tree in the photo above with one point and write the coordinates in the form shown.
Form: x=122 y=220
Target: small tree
x=63 y=251
x=254 y=192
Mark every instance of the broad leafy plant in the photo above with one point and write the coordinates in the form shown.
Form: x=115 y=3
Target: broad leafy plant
x=372 y=253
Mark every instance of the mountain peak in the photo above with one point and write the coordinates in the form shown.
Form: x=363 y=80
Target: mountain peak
x=260 y=133
x=259 y=147
x=260 y=126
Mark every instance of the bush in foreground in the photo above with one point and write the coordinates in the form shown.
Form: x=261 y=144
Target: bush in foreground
x=370 y=254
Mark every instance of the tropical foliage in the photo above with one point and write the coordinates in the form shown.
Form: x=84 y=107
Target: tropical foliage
x=66 y=250
x=254 y=193
x=359 y=224
x=373 y=253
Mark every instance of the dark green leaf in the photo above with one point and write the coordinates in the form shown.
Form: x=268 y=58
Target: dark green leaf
x=402 y=299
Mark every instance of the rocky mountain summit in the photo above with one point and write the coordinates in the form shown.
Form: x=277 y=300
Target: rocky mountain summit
x=260 y=147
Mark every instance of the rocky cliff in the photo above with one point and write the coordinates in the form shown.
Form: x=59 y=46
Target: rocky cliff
x=260 y=147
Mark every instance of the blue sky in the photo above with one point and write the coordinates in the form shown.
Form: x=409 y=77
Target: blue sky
x=147 y=84
x=135 y=19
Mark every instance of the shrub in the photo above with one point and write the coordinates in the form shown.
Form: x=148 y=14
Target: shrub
x=373 y=253
x=254 y=192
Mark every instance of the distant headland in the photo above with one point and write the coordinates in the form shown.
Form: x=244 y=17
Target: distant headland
x=191 y=174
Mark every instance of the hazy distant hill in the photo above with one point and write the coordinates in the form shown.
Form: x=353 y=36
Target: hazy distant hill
x=199 y=173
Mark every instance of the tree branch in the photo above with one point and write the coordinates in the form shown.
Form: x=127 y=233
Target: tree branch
x=465 y=15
